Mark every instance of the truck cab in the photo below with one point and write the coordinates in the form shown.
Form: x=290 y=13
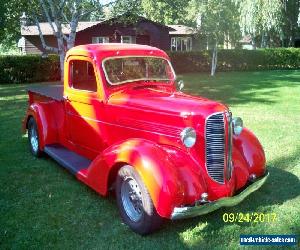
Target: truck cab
x=118 y=122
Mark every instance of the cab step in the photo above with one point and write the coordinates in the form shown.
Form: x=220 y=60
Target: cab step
x=68 y=159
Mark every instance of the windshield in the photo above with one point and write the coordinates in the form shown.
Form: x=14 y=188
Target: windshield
x=120 y=70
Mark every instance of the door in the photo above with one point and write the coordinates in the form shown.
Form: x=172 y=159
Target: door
x=84 y=106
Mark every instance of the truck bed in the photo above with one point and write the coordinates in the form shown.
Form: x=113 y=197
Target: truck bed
x=52 y=91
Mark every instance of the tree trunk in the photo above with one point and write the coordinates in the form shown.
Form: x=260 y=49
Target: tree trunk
x=214 y=60
x=263 y=40
x=292 y=39
x=61 y=52
x=61 y=63
x=55 y=15
x=72 y=35
x=253 y=41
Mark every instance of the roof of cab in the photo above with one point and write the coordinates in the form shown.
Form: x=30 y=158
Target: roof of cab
x=112 y=48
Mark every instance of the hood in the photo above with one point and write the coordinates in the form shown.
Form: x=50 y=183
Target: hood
x=161 y=101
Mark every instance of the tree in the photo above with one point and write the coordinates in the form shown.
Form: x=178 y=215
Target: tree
x=290 y=21
x=218 y=20
x=59 y=14
x=260 y=17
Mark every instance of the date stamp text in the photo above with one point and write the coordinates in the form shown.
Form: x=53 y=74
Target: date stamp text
x=250 y=217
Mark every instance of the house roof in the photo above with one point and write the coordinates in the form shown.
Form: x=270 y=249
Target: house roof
x=182 y=30
x=47 y=30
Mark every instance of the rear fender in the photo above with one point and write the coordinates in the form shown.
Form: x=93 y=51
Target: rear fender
x=45 y=115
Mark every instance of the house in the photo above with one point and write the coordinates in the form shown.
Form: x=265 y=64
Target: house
x=141 y=31
x=182 y=38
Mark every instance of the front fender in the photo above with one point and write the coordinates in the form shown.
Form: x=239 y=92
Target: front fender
x=169 y=185
x=250 y=149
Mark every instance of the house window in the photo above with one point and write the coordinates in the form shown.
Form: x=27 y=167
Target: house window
x=100 y=39
x=82 y=75
x=128 y=39
x=181 y=44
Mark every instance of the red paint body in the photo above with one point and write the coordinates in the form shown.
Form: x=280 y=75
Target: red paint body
x=141 y=127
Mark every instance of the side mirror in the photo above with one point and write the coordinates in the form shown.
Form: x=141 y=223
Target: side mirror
x=180 y=85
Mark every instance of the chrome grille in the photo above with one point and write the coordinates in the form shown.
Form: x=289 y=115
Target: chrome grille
x=215 y=146
x=229 y=146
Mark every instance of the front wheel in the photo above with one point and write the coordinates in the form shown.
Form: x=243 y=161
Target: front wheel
x=33 y=138
x=134 y=202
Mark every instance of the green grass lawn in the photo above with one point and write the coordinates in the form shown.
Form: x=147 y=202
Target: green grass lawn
x=43 y=206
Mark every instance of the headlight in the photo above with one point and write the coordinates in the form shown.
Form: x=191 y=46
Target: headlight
x=188 y=137
x=237 y=124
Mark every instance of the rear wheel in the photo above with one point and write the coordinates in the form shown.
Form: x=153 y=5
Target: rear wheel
x=134 y=202
x=33 y=138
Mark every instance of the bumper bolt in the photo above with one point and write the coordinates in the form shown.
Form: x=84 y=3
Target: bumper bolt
x=252 y=178
x=204 y=197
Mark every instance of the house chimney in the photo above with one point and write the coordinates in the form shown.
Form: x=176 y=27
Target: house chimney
x=23 y=19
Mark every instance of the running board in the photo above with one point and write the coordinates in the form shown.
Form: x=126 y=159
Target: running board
x=68 y=159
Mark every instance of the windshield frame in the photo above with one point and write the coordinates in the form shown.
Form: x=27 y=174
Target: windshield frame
x=136 y=80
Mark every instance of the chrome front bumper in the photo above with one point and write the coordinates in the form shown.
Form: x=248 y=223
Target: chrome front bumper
x=192 y=211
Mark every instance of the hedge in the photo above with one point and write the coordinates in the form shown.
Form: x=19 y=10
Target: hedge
x=29 y=68
x=34 y=68
x=235 y=60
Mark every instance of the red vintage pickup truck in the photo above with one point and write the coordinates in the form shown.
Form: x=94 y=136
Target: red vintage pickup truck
x=119 y=123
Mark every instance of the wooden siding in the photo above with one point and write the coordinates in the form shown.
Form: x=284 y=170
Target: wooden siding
x=35 y=46
x=158 y=36
x=30 y=48
x=145 y=33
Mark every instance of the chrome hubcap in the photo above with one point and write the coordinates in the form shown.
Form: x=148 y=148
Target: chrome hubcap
x=34 y=139
x=132 y=199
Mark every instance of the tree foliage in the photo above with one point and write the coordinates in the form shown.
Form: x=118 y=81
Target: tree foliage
x=163 y=11
x=121 y=7
x=260 y=17
x=218 y=20
x=166 y=11
x=10 y=12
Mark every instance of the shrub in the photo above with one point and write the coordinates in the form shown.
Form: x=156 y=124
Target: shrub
x=195 y=61
x=29 y=68
x=235 y=60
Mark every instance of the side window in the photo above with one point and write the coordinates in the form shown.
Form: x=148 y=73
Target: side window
x=82 y=75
